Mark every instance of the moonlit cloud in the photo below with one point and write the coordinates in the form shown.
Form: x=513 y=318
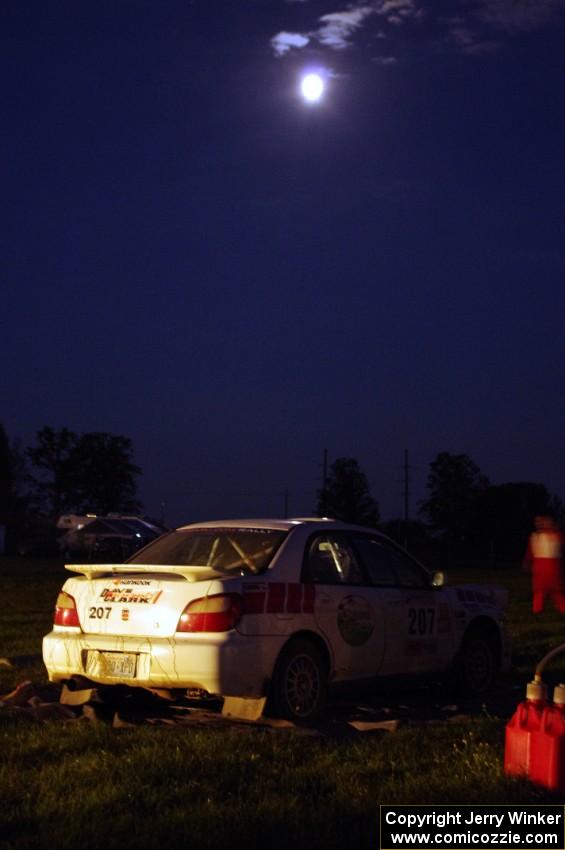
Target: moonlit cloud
x=473 y=27
x=338 y=27
x=460 y=34
x=465 y=38
x=512 y=15
x=402 y=8
x=482 y=24
x=282 y=42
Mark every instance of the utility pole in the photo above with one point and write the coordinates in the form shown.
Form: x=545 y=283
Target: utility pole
x=406 y=496
x=406 y=486
x=323 y=504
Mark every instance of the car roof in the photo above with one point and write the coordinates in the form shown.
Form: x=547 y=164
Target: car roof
x=270 y=524
x=274 y=524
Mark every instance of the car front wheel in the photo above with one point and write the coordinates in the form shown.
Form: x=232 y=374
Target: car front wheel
x=300 y=683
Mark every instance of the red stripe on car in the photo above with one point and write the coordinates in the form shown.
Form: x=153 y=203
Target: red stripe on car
x=253 y=601
x=294 y=598
x=275 y=598
x=308 y=598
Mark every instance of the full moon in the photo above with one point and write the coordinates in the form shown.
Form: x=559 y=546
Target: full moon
x=312 y=87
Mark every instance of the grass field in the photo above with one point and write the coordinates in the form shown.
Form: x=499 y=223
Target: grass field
x=84 y=785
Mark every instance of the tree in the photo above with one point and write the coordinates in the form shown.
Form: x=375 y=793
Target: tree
x=91 y=473
x=506 y=517
x=11 y=472
x=6 y=474
x=104 y=474
x=413 y=535
x=52 y=483
x=347 y=496
x=454 y=484
x=13 y=500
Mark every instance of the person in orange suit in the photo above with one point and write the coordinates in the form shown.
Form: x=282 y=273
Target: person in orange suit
x=544 y=556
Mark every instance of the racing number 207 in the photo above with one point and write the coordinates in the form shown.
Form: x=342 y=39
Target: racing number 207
x=98 y=613
x=421 y=621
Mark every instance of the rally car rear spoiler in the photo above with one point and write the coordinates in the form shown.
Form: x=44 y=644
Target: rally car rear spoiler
x=92 y=571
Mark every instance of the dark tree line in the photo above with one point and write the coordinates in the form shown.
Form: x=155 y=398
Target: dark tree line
x=65 y=472
x=72 y=473
x=470 y=517
x=346 y=495
x=463 y=517
x=12 y=475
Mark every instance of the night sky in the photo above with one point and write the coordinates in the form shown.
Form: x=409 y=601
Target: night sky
x=196 y=258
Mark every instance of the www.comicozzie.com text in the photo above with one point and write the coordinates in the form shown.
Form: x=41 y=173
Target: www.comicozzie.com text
x=472 y=818
x=505 y=828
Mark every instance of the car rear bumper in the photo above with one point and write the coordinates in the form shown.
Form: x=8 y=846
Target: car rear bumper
x=226 y=664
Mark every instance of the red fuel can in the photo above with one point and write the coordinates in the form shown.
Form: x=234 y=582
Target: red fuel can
x=547 y=749
x=521 y=728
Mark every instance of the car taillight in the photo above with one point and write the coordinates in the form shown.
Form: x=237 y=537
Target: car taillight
x=66 y=613
x=218 y=613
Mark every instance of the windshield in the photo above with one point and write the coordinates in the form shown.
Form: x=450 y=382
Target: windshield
x=226 y=550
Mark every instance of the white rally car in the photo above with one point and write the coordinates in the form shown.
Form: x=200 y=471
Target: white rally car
x=278 y=608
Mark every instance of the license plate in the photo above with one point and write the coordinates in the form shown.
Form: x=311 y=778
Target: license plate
x=119 y=665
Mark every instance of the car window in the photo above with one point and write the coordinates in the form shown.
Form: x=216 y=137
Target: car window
x=226 y=550
x=375 y=560
x=388 y=566
x=408 y=572
x=331 y=560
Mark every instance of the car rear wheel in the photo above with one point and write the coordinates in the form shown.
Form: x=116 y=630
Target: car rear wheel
x=477 y=665
x=300 y=682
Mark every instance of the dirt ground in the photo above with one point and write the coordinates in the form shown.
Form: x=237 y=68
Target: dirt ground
x=367 y=710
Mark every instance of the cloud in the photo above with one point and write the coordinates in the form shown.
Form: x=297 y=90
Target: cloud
x=459 y=32
x=514 y=15
x=473 y=27
x=337 y=28
x=398 y=8
x=481 y=24
x=465 y=38
x=282 y=42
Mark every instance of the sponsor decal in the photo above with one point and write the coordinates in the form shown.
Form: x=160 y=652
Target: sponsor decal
x=355 y=620
x=125 y=614
x=473 y=598
x=139 y=582
x=130 y=595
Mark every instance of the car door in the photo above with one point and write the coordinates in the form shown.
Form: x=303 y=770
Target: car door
x=416 y=639
x=346 y=608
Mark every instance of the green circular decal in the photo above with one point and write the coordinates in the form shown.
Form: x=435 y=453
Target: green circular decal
x=355 y=620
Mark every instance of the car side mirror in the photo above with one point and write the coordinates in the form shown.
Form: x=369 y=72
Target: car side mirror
x=438 y=579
